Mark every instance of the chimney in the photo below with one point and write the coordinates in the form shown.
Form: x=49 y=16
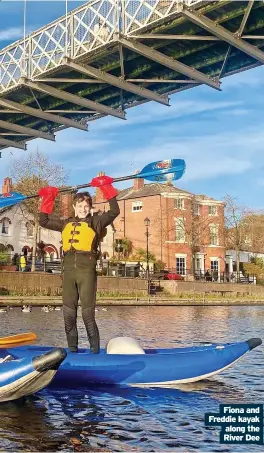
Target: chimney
x=99 y=198
x=7 y=186
x=66 y=205
x=138 y=183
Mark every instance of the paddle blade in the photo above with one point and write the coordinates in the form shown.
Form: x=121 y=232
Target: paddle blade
x=17 y=339
x=11 y=199
x=163 y=170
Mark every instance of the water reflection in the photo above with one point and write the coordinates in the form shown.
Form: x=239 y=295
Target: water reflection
x=140 y=419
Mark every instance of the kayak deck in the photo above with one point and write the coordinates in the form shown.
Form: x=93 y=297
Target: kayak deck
x=155 y=367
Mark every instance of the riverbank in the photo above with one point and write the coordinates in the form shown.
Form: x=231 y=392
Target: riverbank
x=40 y=284
x=40 y=301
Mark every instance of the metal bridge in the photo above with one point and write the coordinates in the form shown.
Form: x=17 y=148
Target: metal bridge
x=109 y=55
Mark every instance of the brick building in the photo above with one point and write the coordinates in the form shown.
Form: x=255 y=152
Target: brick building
x=186 y=230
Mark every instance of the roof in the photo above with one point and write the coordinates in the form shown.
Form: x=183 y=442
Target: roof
x=7 y=208
x=204 y=197
x=152 y=189
x=149 y=190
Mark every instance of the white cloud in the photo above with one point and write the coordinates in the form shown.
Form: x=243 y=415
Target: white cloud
x=150 y=113
x=207 y=157
x=13 y=33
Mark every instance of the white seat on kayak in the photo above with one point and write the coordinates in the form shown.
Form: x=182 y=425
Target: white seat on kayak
x=124 y=345
x=8 y=358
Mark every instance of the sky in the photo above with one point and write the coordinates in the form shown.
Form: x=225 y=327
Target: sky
x=219 y=134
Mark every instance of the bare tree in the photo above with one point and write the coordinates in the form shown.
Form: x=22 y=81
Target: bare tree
x=30 y=173
x=244 y=229
x=236 y=231
x=253 y=227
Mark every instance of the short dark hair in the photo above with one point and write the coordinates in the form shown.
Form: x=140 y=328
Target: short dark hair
x=82 y=196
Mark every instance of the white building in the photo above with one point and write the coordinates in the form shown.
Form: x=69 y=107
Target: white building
x=244 y=257
x=16 y=234
x=16 y=230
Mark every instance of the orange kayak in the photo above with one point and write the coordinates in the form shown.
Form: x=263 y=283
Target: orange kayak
x=20 y=338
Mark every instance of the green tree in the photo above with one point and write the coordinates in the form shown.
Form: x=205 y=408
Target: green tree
x=124 y=247
x=255 y=267
x=141 y=255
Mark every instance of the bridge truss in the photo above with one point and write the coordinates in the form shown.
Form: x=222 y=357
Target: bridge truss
x=109 y=55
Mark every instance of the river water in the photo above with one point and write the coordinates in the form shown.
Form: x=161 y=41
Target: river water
x=121 y=419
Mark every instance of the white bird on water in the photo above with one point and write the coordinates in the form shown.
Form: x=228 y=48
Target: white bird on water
x=26 y=308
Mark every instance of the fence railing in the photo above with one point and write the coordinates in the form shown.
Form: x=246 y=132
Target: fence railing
x=22 y=263
x=81 y=31
x=120 y=269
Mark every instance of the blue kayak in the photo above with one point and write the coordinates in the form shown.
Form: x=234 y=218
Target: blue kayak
x=27 y=375
x=150 y=367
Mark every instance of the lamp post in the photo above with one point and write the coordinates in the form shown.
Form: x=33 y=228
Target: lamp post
x=147 y=224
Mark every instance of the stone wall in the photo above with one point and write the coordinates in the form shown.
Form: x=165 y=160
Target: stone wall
x=175 y=288
x=50 y=284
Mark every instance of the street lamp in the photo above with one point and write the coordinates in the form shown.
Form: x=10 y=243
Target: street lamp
x=147 y=224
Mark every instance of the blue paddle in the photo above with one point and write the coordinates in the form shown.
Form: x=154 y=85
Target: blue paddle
x=162 y=170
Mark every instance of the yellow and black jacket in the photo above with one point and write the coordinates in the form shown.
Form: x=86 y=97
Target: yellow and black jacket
x=81 y=236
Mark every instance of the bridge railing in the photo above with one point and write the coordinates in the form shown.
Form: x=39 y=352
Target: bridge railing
x=140 y=13
x=83 y=30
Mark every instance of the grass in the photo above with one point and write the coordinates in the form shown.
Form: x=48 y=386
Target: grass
x=53 y=292
x=199 y=296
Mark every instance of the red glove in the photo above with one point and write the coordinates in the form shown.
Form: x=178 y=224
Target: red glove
x=48 y=195
x=101 y=181
x=105 y=185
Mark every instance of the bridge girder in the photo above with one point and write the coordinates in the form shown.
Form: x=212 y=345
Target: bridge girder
x=38 y=113
x=117 y=81
x=26 y=130
x=73 y=98
x=168 y=62
x=225 y=35
x=11 y=143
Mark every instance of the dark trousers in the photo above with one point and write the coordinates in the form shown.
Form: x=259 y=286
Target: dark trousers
x=80 y=283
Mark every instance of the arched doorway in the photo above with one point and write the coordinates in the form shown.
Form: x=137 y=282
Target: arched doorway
x=51 y=252
x=26 y=250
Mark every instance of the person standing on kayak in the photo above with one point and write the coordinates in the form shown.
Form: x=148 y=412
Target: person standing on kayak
x=81 y=236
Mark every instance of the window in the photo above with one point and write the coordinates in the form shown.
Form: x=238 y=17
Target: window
x=212 y=210
x=180 y=265
x=29 y=227
x=178 y=203
x=136 y=206
x=180 y=229
x=214 y=266
x=5 y=225
x=196 y=209
x=214 y=235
